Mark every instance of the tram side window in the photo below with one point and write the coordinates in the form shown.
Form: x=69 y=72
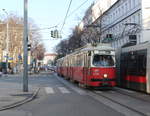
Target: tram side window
x=124 y=63
x=142 y=65
x=136 y=63
x=80 y=60
x=132 y=64
x=75 y=61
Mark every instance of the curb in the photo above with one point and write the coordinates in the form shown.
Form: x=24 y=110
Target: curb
x=19 y=103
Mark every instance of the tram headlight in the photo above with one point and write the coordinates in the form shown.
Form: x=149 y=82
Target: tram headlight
x=105 y=75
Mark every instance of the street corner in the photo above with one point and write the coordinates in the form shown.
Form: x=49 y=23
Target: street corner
x=17 y=98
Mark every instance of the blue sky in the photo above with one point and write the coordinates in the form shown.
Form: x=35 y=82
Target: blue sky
x=48 y=13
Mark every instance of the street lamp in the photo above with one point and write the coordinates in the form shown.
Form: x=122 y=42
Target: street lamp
x=129 y=24
x=136 y=26
x=132 y=37
x=7 y=40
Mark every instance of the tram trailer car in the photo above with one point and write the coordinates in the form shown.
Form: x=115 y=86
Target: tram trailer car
x=92 y=66
x=59 y=69
x=133 y=67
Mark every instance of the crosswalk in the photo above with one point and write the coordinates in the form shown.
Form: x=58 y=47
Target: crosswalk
x=49 y=90
x=63 y=90
x=55 y=90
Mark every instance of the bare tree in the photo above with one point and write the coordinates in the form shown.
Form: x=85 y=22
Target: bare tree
x=16 y=37
x=38 y=52
x=69 y=45
x=91 y=33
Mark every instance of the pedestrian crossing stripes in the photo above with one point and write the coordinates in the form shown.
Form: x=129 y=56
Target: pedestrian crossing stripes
x=63 y=90
x=51 y=90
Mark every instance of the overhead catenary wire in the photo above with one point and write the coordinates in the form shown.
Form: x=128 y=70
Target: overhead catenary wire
x=77 y=8
x=44 y=28
x=73 y=11
x=66 y=15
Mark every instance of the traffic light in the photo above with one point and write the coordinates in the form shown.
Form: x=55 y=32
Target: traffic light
x=56 y=34
x=52 y=34
x=29 y=47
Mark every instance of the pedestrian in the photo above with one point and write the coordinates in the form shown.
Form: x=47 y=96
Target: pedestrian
x=1 y=72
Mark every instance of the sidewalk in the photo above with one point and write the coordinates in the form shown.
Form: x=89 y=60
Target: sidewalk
x=11 y=94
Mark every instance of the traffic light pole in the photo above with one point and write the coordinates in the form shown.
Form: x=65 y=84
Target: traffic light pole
x=25 y=42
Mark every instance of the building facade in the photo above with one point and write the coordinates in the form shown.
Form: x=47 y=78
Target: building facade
x=123 y=20
x=96 y=10
x=49 y=58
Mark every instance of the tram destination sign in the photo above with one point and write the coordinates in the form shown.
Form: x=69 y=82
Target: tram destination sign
x=104 y=52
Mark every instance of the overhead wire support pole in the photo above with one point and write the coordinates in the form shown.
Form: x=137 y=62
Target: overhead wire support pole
x=25 y=44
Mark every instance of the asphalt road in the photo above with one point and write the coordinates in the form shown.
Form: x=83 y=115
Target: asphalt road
x=58 y=97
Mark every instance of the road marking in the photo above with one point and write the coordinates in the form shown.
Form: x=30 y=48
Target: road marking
x=63 y=90
x=78 y=90
x=112 y=92
x=98 y=91
x=49 y=90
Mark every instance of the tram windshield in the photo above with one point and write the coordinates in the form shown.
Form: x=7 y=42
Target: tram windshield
x=103 y=60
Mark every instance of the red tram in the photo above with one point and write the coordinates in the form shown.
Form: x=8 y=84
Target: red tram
x=92 y=66
x=133 y=64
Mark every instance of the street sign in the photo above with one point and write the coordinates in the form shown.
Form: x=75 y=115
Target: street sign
x=6 y=56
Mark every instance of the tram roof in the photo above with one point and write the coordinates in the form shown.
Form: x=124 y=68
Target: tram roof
x=90 y=47
x=100 y=46
x=140 y=46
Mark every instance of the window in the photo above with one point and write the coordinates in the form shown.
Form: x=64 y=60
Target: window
x=129 y=4
x=139 y=18
x=103 y=60
x=126 y=7
x=134 y=3
x=122 y=10
x=133 y=18
x=119 y=12
x=113 y=16
x=134 y=63
x=139 y=38
x=116 y=13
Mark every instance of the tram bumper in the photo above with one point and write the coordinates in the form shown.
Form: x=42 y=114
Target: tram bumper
x=104 y=82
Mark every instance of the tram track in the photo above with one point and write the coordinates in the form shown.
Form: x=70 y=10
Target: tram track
x=130 y=95
x=121 y=104
x=107 y=99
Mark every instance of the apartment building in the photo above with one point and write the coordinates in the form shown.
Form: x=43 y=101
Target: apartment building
x=124 y=20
